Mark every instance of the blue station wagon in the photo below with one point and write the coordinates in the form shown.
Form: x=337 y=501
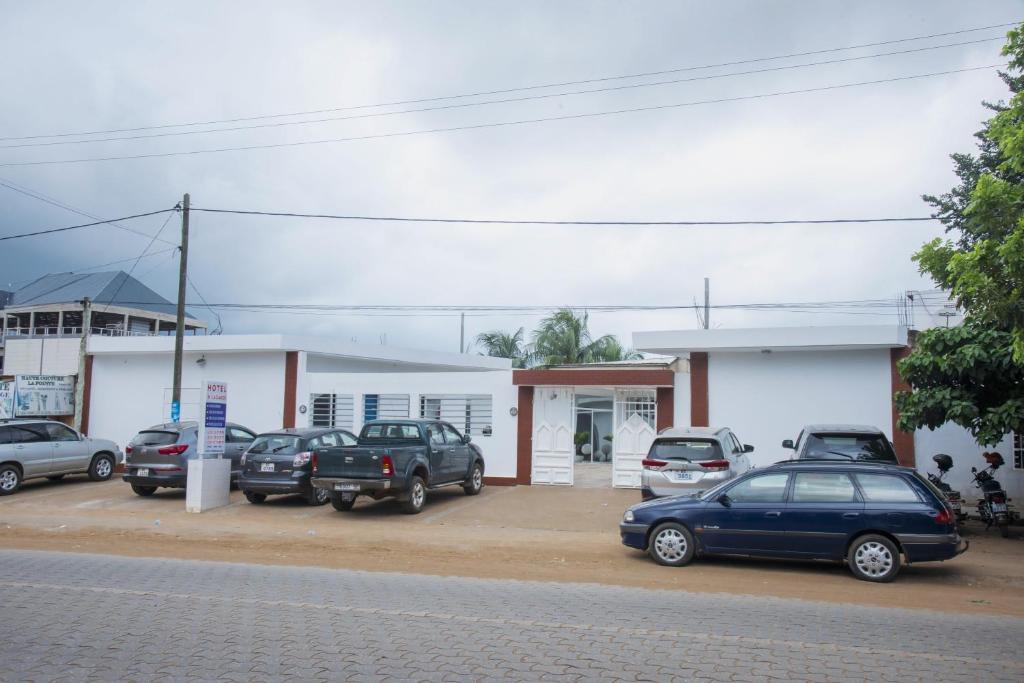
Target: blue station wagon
x=869 y=516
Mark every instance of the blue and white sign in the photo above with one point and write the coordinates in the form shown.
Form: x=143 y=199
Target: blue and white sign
x=175 y=411
x=215 y=415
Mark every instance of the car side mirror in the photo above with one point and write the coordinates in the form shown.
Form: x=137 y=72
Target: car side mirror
x=466 y=438
x=747 y=448
x=724 y=500
x=788 y=443
x=974 y=469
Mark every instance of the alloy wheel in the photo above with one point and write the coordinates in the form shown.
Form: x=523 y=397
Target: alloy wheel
x=417 y=494
x=670 y=544
x=103 y=468
x=873 y=559
x=9 y=480
x=478 y=478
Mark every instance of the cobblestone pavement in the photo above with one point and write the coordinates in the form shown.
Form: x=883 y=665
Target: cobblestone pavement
x=96 y=617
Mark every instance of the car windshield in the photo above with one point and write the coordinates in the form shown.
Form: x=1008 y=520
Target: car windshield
x=154 y=438
x=690 y=450
x=712 y=493
x=276 y=443
x=844 y=446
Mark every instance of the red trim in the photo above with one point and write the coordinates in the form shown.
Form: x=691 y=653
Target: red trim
x=903 y=442
x=699 y=410
x=291 y=376
x=524 y=437
x=598 y=377
x=666 y=407
x=500 y=481
x=86 y=391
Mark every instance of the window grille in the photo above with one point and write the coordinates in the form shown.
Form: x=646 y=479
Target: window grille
x=385 y=406
x=642 y=404
x=469 y=413
x=1018 y=451
x=331 y=410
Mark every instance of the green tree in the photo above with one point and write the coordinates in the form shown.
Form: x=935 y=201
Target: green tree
x=504 y=345
x=564 y=338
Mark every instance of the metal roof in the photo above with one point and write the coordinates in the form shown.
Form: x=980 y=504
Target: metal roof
x=113 y=288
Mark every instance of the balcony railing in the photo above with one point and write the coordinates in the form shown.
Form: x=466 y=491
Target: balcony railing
x=13 y=332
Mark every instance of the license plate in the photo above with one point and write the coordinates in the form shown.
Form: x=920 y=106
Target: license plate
x=267 y=467
x=684 y=476
x=346 y=487
x=998 y=507
x=142 y=472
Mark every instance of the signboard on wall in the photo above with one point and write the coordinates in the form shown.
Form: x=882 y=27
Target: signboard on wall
x=214 y=417
x=6 y=400
x=42 y=395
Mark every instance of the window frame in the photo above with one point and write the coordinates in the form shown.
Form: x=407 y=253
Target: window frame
x=856 y=498
x=68 y=431
x=918 y=498
x=785 y=491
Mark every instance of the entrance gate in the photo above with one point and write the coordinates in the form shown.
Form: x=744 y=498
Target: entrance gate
x=635 y=420
x=554 y=450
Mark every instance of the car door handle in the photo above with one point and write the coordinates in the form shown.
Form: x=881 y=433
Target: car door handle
x=774 y=513
x=851 y=515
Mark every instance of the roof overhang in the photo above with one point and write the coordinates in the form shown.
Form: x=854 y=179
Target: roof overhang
x=835 y=338
x=594 y=377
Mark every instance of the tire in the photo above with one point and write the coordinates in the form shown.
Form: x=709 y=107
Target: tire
x=672 y=545
x=475 y=482
x=102 y=467
x=318 y=496
x=1004 y=529
x=10 y=480
x=55 y=477
x=255 y=498
x=874 y=558
x=340 y=504
x=144 y=491
x=413 y=504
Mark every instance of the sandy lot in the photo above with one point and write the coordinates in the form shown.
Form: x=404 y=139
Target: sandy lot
x=533 y=533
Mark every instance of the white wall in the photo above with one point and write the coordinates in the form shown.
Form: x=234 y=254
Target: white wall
x=768 y=397
x=499 y=449
x=59 y=356
x=128 y=390
x=958 y=443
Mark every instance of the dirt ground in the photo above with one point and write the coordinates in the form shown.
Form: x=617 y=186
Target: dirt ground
x=530 y=533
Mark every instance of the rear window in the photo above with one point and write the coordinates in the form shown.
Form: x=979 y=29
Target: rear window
x=886 y=488
x=276 y=443
x=154 y=439
x=686 y=449
x=838 y=446
x=390 y=432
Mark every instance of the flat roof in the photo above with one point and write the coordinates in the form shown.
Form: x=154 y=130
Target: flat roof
x=832 y=338
x=356 y=357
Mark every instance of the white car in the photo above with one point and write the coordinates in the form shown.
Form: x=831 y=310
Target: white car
x=46 y=448
x=688 y=460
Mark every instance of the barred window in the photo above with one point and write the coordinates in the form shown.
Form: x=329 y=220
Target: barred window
x=1018 y=451
x=385 y=406
x=640 y=403
x=331 y=410
x=469 y=413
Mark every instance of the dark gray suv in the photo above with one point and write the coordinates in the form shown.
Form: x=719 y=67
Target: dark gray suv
x=842 y=442
x=46 y=448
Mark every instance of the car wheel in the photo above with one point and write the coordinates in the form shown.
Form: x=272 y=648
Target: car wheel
x=255 y=498
x=1004 y=529
x=341 y=504
x=318 y=496
x=672 y=545
x=55 y=477
x=143 y=491
x=874 y=558
x=475 y=481
x=413 y=504
x=10 y=479
x=102 y=467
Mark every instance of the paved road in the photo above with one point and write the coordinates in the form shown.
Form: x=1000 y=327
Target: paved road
x=96 y=617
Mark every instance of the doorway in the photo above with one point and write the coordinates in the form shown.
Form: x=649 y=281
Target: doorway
x=593 y=437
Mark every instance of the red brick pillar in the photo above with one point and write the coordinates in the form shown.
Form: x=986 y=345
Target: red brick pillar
x=699 y=409
x=902 y=441
x=524 y=437
x=291 y=376
x=666 y=407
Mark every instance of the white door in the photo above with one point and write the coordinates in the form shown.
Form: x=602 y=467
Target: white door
x=635 y=419
x=553 y=447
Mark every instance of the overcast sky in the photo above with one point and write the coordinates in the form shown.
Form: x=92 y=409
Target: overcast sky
x=866 y=151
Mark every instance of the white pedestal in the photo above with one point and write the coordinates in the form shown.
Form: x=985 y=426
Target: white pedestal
x=209 y=484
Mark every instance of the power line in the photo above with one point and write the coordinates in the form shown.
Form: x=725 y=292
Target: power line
x=499 y=124
x=83 y=225
x=498 y=221
x=525 y=98
x=134 y=265
x=518 y=89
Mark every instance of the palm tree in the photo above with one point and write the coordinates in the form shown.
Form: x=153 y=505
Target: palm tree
x=504 y=345
x=563 y=338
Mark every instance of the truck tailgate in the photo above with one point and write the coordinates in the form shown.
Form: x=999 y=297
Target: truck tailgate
x=351 y=462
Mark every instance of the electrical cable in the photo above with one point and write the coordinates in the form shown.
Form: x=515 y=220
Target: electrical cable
x=498 y=124
x=131 y=270
x=83 y=225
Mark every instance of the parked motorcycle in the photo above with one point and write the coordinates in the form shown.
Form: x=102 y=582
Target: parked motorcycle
x=945 y=464
x=993 y=507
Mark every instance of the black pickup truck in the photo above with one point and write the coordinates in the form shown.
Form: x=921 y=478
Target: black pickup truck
x=399 y=459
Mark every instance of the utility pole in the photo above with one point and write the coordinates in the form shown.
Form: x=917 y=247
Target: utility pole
x=179 y=330
x=707 y=303
x=83 y=346
x=462 y=333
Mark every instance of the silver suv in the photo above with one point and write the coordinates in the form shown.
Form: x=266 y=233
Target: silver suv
x=30 y=449
x=690 y=460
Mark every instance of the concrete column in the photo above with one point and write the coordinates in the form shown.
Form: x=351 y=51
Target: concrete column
x=125 y=326
x=31 y=322
x=60 y=323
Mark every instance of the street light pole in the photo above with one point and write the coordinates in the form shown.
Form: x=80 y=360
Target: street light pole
x=179 y=330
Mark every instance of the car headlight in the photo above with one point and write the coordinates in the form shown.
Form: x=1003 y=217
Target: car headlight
x=628 y=517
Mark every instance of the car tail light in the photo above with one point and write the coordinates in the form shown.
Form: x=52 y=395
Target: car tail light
x=128 y=450
x=652 y=464
x=312 y=461
x=998 y=498
x=943 y=517
x=301 y=459
x=176 y=449
x=387 y=466
x=715 y=465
